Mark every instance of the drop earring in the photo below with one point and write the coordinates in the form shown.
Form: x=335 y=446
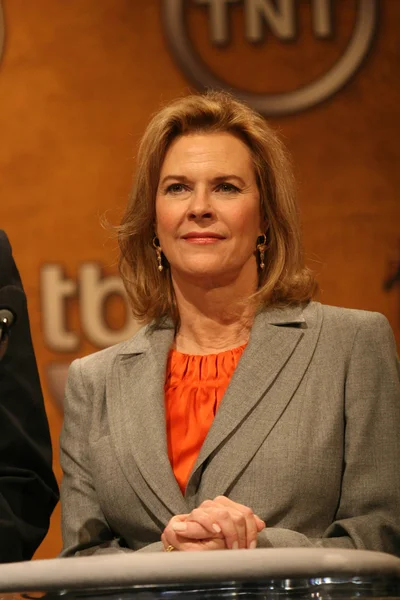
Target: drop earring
x=261 y=247
x=156 y=244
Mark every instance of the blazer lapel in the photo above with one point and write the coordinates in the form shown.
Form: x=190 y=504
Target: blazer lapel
x=281 y=341
x=135 y=393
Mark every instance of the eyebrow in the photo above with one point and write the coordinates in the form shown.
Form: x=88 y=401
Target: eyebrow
x=184 y=179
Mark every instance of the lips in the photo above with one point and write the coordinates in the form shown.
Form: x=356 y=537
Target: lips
x=202 y=235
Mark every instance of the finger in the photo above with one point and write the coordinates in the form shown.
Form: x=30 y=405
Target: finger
x=230 y=521
x=168 y=536
x=197 y=529
x=246 y=524
x=183 y=544
x=232 y=525
x=259 y=523
x=251 y=530
x=203 y=517
x=252 y=523
x=240 y=522
x=164 y=541
x=195 y=545
x=193 y=530
x=167 y=541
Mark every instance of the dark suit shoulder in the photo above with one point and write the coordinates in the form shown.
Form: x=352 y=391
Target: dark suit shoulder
x=4 y=239
x=9 y=274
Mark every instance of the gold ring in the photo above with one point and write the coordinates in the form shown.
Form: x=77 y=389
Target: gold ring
x=170 y=548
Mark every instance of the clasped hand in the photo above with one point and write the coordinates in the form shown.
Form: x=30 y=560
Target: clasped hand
x=217 y=524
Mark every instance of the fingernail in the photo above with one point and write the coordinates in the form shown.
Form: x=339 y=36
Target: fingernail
x=216 y=528
x=235 y=545
x=253 y=545
x=179 y=526
x=258 y=517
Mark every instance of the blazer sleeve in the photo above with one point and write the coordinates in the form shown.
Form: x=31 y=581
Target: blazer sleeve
x=84 y=527
x=28 y=488
x=83 y=522
x=368 y=515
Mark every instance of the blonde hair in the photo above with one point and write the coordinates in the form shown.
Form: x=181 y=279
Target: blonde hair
x=285 y=279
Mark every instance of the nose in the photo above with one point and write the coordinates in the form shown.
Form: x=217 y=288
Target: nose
x=200 y=206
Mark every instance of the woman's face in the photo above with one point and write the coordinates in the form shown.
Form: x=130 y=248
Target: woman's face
x=208 y=207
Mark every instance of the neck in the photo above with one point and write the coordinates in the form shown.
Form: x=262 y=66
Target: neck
x=213 y=318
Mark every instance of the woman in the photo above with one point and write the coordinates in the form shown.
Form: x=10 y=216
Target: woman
x=243 y=414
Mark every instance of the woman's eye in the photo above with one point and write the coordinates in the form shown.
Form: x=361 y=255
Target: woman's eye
x=175 y=188
x=228 y=188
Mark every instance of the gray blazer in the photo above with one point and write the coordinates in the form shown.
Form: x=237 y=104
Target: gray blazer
x=307 y=435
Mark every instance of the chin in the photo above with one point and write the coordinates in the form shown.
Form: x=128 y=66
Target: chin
x=204 y=271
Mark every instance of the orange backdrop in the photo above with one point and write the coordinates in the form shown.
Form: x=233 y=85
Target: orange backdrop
x=78 y=82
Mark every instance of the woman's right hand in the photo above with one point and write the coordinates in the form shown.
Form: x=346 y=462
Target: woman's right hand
x=215 y=524
x=174 y=537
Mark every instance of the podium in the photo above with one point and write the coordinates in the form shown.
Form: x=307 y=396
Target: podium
x=261 y=574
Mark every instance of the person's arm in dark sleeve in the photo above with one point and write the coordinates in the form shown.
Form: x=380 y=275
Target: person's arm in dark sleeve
x=28 y=489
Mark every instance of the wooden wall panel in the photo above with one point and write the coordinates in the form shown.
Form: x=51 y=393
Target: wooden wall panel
x=78 y=82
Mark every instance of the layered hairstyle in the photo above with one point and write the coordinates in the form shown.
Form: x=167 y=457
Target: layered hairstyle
x=284 y=279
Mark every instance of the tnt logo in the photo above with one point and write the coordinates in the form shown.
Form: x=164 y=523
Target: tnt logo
x=245 y=46
x=281 y=17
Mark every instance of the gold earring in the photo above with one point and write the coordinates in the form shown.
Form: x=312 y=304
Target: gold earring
x=156 y=244
x=261 y=247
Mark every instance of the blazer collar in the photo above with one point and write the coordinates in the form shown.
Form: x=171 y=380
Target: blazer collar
x=279 y=351
x=135 y=397
x=285 y=315
x=135 y=401
x=151 y=338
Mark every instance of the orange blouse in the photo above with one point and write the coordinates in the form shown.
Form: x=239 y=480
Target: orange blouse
x=194 y=387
